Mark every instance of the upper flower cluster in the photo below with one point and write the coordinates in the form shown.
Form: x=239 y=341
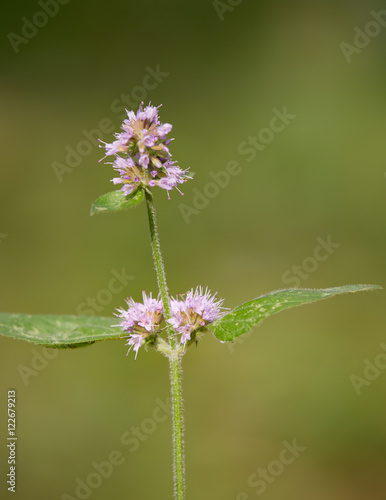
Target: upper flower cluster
x=198 y=309
x=145 y=157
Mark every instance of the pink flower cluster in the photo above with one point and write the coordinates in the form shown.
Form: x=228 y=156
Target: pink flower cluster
x=142 y=156
x=198 y=309
x=141 y=320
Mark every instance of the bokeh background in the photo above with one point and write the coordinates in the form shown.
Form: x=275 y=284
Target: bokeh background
x=224 y=69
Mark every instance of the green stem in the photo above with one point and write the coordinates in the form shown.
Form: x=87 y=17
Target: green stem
x=178 y=427
x=158 y=261
x=174 y=355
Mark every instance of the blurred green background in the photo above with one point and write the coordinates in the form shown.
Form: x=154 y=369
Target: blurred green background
x=224 y=70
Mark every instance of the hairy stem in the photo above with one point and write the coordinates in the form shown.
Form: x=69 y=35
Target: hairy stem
x=174 y=356
x=178 y=427
x=158 y=261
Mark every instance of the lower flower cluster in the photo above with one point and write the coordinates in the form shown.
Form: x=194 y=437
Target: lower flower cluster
x=188 y=313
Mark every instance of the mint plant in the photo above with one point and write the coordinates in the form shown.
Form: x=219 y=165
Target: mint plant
x=170 y=325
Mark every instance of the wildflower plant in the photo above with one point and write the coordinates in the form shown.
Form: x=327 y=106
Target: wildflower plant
x=141 y=161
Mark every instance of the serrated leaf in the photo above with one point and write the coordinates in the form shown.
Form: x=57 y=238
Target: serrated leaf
x=115 y=201
x=241 y=319
x=59 y=331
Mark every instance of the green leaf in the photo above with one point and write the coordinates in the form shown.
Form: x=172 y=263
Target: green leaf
x=241 y=319
x=59 y=331
x=116 y=201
